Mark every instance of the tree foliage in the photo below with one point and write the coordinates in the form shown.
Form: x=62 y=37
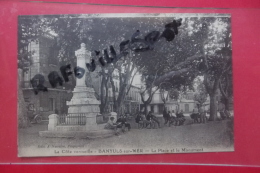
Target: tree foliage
x=201 y=95
x=202 y=47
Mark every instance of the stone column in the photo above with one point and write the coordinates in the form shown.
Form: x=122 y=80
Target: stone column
x=84 y=100
x=82 y=55
x=53 y=121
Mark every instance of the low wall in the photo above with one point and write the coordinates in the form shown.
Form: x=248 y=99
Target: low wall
x=74 y=131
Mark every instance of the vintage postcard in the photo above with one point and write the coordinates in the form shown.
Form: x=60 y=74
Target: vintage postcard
x=124 y=84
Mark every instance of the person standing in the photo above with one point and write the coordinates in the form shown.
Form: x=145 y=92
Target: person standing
x=154 y=118
x=149 y=119
x=201 y=114
x=180 y=118
x=139 y=120
x=165 y=116
x=144 y=119
x=222 y=114
x=196 y=115
x=127 y=124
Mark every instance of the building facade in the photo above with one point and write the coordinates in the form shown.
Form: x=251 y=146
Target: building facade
x=157 y=105
x=44 y=60
x=132 y=100
x=187 y=103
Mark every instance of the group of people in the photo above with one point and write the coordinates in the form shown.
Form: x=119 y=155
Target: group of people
x=150 y=120
x=121 y=123
x=225 y=114
x=147 y=121
x=199 y=115
x=171 y=118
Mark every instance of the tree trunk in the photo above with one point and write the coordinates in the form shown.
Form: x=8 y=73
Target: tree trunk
x=23 y=120
x=213 y=107
x=119 y=110
x=226 y=103
x=146 y=103
x=145 y=108
x=225 y=95
x=120 y=100
x=104 y=95
x=212 y=91
x=106 y=104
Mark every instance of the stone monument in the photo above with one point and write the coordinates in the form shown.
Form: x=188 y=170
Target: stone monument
x=82 y=105
x=83 y=100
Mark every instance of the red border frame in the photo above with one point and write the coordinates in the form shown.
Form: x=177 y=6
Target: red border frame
x=124 y=168
x=246 y=44
x=167 y=3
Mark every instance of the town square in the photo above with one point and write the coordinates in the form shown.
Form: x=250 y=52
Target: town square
x=124 y=84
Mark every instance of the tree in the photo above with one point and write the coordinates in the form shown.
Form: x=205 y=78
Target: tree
x=217 y=61
x=147 y=92
x=226 y=89
x=197 y=49
x=127 y=67
x=201 y=94
x=175 y=63
x=225 y=84
x=178 y=62
x=104 y=91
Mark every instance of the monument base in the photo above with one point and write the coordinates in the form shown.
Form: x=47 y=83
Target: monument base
x=78 y=132
x=84 y=103
x=81 y=120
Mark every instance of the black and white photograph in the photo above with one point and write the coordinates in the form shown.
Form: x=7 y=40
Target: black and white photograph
x=124 y=84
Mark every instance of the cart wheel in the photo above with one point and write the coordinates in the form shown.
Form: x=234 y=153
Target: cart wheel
x=38 y=119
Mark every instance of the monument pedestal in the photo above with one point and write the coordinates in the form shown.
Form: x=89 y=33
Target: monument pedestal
x=83 y=100
x=83 y=109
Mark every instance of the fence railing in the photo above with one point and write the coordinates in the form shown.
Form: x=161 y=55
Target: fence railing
x=72 y=119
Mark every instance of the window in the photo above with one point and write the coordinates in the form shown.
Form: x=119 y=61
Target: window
x=152 y=108
x=161 y=108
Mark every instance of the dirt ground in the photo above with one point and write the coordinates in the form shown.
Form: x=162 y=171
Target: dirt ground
x=215 y=135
